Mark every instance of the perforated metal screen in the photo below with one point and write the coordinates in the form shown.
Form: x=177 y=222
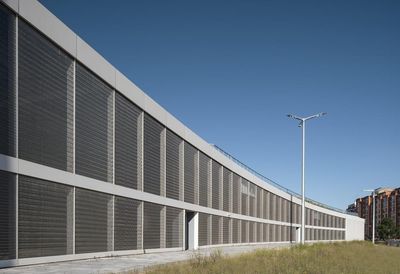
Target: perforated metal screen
x=226 y=189
x=203 y=179
x=203 y=229
x=42 y=218
x=235 y=231
x=7 y=82
x=216 y=168
x=91 y=221
x=7 y=215
x=215 y=233
x=127 y=117
x=173 y=227
x=127 y=224
x=45 y=100
x=172 y=165
x=245 y=231
x=152 y=225
x=152 y=155
x=190 y=168
x=94 y=126
x=226 y=231
x=236 y=193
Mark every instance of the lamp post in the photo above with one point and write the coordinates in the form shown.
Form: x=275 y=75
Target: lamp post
x=373 y=213
x=303 y=126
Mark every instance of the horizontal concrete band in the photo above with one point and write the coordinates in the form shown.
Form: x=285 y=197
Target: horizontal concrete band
x=70 y=257
x=23 y=167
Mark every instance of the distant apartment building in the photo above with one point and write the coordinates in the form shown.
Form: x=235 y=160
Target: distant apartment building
x=387 y=205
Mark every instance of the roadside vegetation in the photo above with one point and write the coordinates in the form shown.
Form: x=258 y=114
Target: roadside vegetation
x=345 y=257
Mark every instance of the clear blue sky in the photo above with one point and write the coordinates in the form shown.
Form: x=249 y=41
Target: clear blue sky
x=232 y=70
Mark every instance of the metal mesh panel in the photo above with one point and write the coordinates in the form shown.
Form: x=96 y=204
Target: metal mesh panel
x=236 y=193
x=283 y=233
x=259 y=202
x=173 y=228
x=245 y=231
x=252 y=200
x=190 y=154
x=127 y=223
x=278 y=237
x=151 y=225
x=271 y=233
x=260 y=232
x=203 y=229
x=42 y=218
x=215 y=232
x=244 y=194
x=225 y=231
x=94 y=126
x=7 y=82
x=215 y=184
x=91 y=225
x=203 y=179
x=127 y=117
x=272 y=206
x=226 y=190
x=152 y=155
x=278 y=210
x=7 y=215
x=266 y=232
x=172 y=165
x=235 y=231
x=266 y=205
x=45 y=100
x=252 y=234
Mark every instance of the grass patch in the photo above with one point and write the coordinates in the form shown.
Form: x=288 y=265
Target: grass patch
x=345 y=257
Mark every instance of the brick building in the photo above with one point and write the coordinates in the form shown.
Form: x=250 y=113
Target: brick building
x=387 y=205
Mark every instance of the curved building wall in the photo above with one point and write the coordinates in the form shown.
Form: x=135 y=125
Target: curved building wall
x=100 y=169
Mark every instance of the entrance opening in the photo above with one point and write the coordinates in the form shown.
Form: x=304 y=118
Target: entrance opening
x=191 y=228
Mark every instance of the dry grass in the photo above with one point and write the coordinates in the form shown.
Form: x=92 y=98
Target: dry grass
x=350 y=257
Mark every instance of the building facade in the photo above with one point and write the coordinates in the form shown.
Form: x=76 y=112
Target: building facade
x=91 y=166
x=387 y=205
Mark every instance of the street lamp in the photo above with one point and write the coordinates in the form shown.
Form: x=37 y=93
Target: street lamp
x=303 y=125
x=373 y=212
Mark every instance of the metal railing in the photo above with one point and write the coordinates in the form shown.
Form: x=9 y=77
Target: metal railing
x=275 y=184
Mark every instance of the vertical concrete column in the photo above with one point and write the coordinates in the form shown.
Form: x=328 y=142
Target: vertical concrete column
x=197 y=177
x=73 y=117
x=261 y=204
x=182 y=229
x=230 y=230
x=240 y=197
x=163 y=215
x=163 y=161
x=248 y=205
x=182 y=170
x=209 y=182
x=231 y=192
x=221 y=187
x=139 y=232
x=239 y=231
x=140 y=151
x=113 y=137
x=16 y=134
x=71 y=221
x=110 y=224
x=209 y=232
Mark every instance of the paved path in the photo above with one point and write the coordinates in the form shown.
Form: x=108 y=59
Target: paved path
x=126 y=263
